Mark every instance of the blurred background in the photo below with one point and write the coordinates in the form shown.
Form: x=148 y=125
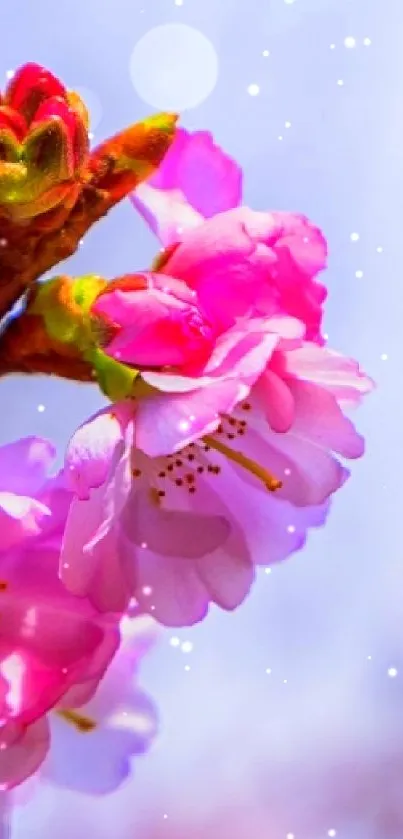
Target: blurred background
x=284 y=720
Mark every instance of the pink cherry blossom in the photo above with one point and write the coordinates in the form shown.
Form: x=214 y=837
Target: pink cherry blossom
x=259 y=263
x=182 y=490
x=54 y=647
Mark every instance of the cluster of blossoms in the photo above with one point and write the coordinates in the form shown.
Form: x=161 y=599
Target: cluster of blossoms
x=218 y=449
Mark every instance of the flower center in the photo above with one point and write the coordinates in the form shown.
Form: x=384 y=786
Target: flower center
x=182 y=470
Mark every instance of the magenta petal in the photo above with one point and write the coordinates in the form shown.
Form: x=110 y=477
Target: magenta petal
x=20 y=518
x=24 y=755
x=196 y=180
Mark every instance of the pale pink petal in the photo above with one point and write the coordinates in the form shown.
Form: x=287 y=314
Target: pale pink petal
x=166 y=424
x=191 y=558
x=319 y=419
x=24 y=465
x=321 y=366
x=309 y=473
x=89 y=562
x=196 y=179
x=125 y=724
x=166 y=212
x=24 y=756
x=94 y=447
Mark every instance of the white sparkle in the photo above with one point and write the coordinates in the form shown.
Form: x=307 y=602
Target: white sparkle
x=267 y=570
x=287 y=124
x=184 y=425
x=291 y=528
x=187 y=667
x=3 y=243
x=41 y=408
x=165 y=815
x=10 y=74
x=332 y=46
x=354 y=237
x=289 y=2
x=266 y=53
x=340 y=82
x=147 y=590
x=144 y=545
x=91 y=135
x=280 y=137
x=367 y=42
x=290 y=836
x=369 y=657
x=253 y=90
x=268 y=671
x=174 y=641
x=187 y=647
x=178 y=2
x=152 y=608
x=349 y=42
x=287 y=471
x=392 y=672
x=331 y=832
x=284 y=681
x=379 y=249
x=384 y=356
x=359 y=274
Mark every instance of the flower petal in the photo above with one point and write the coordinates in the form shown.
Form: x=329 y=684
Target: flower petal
x=24 y=755
x=196 y=180
x=180 y=558
x=95 y=446
x=24 y=465
x=321 y=366
x=318 y=418
x=21 y=518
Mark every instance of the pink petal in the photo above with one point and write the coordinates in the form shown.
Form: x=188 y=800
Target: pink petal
x=196 y=179
x=191 y=558
x=158 y=326
x=341 y=375
x=241 y=352
x=165 y=424
x=89 y=562
x=309 y=473
x=277 y=401
x=319 y=419
x=94 y=447
x=24 y=465
x=21 y=518
x=166 y=212
x=24 y=756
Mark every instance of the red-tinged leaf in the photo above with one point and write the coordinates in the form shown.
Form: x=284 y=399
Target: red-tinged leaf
x=30 y=86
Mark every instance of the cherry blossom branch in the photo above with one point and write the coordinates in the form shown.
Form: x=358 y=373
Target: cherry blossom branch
x=26 y=347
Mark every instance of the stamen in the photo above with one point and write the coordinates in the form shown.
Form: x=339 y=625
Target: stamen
x=270 y=481
x=82 y=723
